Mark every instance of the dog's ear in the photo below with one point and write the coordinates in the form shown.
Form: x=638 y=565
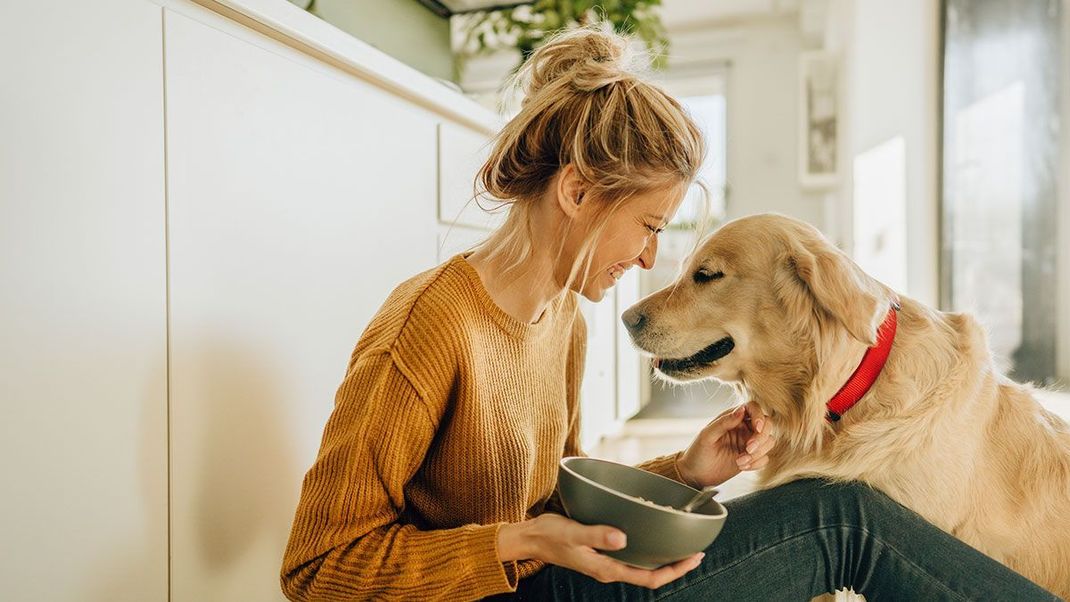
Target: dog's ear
x=836 y=285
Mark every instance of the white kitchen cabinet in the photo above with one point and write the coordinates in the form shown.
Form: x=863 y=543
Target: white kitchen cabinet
x=614 y=373
x=598 y=392
x=463 y=220
x=298 y=198
x=202 y=207
x=632 y=373
x=454 y=239
x=83 y=301
x=462 y=152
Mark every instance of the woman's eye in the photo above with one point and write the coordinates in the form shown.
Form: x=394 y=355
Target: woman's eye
x=654 y=230
x=703 y=276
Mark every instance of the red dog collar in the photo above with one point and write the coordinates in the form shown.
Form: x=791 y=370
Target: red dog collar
x=867 y=371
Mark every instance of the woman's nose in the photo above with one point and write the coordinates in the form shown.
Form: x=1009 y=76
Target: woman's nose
x=649 y=254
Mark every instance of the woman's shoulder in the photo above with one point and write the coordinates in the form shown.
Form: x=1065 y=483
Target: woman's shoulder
x=421 y=325
x=427 y=299
x=418 y=291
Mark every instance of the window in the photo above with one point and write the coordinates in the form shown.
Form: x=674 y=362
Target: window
x=1001 y=204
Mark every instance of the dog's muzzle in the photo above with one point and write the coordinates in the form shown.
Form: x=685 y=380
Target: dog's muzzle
x=706 y=356
x=634 y=320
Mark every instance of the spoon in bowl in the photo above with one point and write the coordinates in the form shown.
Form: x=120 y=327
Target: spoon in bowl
x=700 y=498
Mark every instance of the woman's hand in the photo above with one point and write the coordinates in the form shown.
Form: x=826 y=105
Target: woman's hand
x=555 y=539
x=735 y=441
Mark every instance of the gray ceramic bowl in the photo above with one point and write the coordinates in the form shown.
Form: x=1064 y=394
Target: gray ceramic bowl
x=599 y=492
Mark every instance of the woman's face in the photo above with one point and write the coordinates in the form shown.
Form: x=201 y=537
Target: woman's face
x=629 y=239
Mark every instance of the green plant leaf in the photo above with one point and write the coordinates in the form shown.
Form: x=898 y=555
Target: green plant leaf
x=631 y=17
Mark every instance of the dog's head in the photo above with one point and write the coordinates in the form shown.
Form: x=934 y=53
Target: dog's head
x=758 y=303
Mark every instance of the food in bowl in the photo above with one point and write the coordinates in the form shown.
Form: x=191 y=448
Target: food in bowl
x=650 y=503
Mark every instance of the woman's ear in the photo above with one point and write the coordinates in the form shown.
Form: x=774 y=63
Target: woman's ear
x=838 y=286
x=568 y=190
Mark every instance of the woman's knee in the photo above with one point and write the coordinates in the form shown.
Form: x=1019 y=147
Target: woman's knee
x=819 y=489
x=855 y=492
x=846 y=503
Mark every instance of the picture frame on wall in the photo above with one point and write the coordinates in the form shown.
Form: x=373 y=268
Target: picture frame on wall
x=819 y=112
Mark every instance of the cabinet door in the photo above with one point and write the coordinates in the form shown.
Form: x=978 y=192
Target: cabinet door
x=458 y=239
x=463 y=220
x=615 y=371
x=83 y=350
x=598 y=393
x=461 y=153
x=298 y=198
x=631 y=367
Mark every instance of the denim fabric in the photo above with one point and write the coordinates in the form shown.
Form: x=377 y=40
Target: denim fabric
x=811 y=537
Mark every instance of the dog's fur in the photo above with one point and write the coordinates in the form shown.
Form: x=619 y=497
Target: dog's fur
x=941 y=431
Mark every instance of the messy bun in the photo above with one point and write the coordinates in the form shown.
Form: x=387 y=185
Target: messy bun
x=584 y=60
x=586 y=103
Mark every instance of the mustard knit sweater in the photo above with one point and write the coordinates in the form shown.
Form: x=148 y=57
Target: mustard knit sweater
x=449 y=422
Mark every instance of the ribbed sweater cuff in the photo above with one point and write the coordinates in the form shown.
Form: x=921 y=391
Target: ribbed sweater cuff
x=665 y=466
x=490 y=575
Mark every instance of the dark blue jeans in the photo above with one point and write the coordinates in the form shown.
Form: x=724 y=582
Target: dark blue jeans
x=812 y=537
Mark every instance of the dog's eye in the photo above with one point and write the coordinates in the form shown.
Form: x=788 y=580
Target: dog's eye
x=703 y=276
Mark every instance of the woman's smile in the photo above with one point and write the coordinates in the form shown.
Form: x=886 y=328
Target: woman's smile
x=616 y=272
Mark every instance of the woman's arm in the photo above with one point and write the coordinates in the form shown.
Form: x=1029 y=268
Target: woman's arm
x=346 y=542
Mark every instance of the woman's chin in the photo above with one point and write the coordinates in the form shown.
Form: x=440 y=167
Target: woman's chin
x=594 y=295
x=592 y=291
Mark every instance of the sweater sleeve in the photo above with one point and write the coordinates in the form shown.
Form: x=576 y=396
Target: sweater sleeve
x=347 y=541
x=665 y=466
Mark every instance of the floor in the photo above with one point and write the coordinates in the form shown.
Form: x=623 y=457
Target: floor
x=675 y=415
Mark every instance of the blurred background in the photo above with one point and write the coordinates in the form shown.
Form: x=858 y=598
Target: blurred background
x=203 y=203
x=923 y=137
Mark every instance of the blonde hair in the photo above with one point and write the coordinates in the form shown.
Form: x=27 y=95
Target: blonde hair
x=586 y=103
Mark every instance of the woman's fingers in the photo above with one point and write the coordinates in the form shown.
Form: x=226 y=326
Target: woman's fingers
x=617 y=571
x=757 y=464
x=573 y=545
x=728 y=420
x=659 y=577
x=600 y=537
x=759 y=458
x=759 y=424
x=756 y=442
x=766 y=446
x=758 y=418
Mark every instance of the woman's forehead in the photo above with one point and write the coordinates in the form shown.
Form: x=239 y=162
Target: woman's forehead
x=660 y=201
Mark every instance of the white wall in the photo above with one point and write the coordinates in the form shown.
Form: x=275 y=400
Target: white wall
x=83 y=296
x=891 y=52
x=762 y=57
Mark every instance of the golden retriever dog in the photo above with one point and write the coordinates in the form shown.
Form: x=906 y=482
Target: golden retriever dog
x=770 y=306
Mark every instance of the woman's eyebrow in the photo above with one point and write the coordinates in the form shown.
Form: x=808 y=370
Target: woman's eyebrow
x=659 y=218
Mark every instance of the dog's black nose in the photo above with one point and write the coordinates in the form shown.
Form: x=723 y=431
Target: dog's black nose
x=633 y=319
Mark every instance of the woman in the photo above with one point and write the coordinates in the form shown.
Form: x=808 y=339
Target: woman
x=436 y=474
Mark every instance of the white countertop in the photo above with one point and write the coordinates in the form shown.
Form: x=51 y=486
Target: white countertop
x=312 y=35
